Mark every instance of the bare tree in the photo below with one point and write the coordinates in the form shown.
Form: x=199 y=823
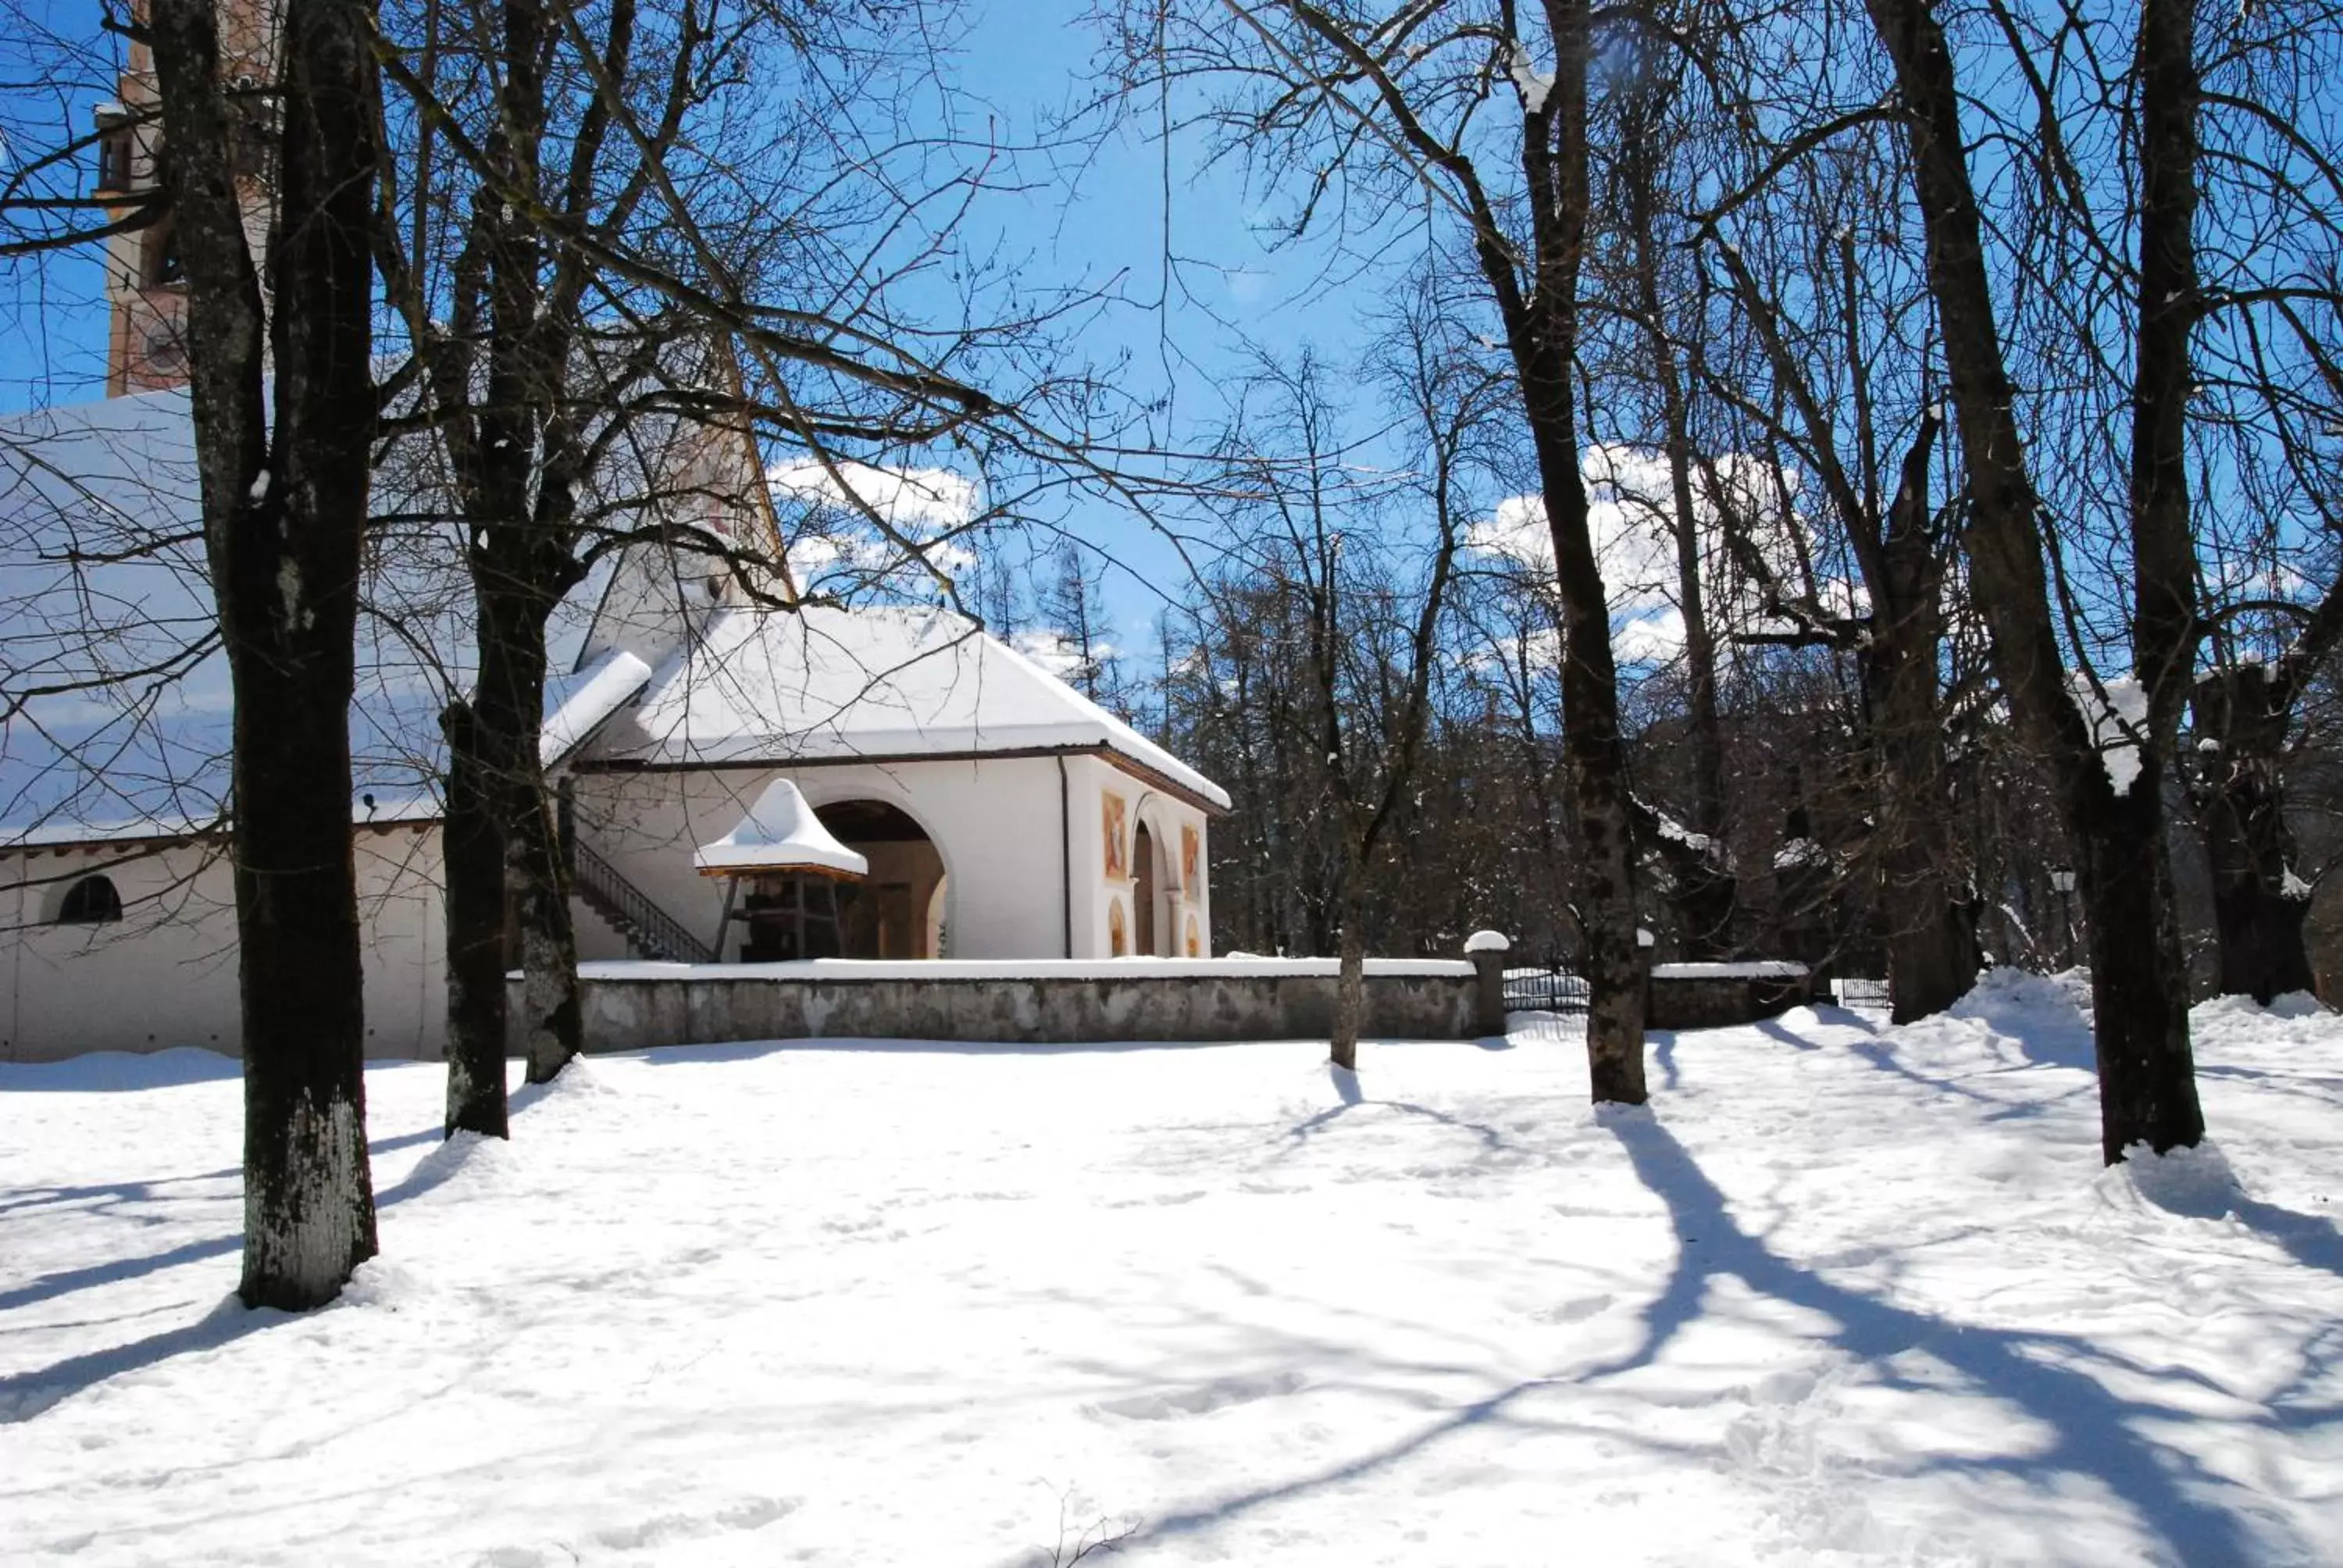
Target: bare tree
x=285 y=417
x=1828 y=381
x=1072 y=603
x=2108 y=753
x=1371 y=633
x=647 y=298
x=1479 y=117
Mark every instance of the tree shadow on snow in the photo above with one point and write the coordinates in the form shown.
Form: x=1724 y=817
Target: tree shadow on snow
x=1353 y=1095
x=65 y=1282
x=2310 y=1241
x=2313 y=1243
x=26 y=1394
x=119 y=1071
x=1774 y=1028
x=1663 y=1045
x=1878 y=1053
x=750 y=1050
x=108 y=1195
x=2095 y=1433
x=2094 y=1430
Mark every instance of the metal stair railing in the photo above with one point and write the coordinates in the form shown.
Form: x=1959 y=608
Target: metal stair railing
x=657 y=933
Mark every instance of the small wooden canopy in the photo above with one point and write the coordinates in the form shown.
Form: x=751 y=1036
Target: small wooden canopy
x=780 y=833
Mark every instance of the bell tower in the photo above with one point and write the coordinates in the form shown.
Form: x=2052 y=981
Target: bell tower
x=146 y=292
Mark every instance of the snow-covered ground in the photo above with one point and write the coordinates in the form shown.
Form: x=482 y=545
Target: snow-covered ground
x=1845 y=1295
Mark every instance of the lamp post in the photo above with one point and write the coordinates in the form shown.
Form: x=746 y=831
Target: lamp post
x=2062 y=882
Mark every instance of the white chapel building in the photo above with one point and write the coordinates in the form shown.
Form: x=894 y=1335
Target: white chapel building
x=738 y=782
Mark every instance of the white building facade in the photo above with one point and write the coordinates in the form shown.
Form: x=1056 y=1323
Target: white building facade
x=1000 y=814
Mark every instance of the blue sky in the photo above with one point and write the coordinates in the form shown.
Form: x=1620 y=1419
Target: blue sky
x=1108 y=217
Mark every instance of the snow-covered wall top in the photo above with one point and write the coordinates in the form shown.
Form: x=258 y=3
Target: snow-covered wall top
x=1023 y=969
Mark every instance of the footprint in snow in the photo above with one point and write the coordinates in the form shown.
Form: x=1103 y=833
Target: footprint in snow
x=1170 y=1404
x=1160 y=1201
x=750 y=1514
x=1575 y=1311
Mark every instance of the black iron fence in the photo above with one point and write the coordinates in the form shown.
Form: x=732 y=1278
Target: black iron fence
x=1544 y=990
x=1862 y=993
x=1556 y=990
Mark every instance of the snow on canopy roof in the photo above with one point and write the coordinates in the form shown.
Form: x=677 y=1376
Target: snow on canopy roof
x=824 y=683
x=780 y=833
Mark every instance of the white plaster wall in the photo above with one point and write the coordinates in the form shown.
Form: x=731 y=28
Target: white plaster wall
x=994 y=822
x=596 y=940
x=1095 y=892
x=166 y=974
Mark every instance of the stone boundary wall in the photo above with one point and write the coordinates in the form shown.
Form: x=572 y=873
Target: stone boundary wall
x=1714 y=996
x=631 y=1007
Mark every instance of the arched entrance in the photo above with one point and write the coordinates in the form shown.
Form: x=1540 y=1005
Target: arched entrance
x=895 y=912
x=1151 y=879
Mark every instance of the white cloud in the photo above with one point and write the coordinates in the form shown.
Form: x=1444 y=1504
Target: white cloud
x=1629 y=515
x=836 y=541
x=1058 y=653
x=906 y=498
x=1648 y=639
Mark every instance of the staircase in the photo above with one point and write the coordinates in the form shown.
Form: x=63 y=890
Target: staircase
x=649 y=932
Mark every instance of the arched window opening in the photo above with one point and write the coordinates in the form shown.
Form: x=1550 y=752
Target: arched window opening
x=92 y=901
x=1143 y=865
x=160 y=263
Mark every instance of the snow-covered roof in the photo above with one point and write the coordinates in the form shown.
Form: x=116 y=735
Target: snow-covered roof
x=779 y=833
x=367 y=809
x=577 y=705
x=827 y=684
x=109 y=616
x=106 y=622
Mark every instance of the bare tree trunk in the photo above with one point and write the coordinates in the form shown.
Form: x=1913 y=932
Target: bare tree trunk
x=1350 y=984
x=550 y=992
x=2240 y=714
x=1925 y=899
x=2147 y=1091
x=1544 y=329
x=1930 y=937
x=2139 y=980
x=473 y=855
x=284 y=521
x=1706 y=894
x=1606 y=885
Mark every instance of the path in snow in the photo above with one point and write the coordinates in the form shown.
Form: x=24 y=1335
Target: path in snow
x=1850 y=1295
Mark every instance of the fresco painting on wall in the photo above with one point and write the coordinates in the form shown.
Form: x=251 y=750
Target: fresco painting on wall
x=1110 y=814
x=1117 y=931
x=1190 y=853
x=1195 y=946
